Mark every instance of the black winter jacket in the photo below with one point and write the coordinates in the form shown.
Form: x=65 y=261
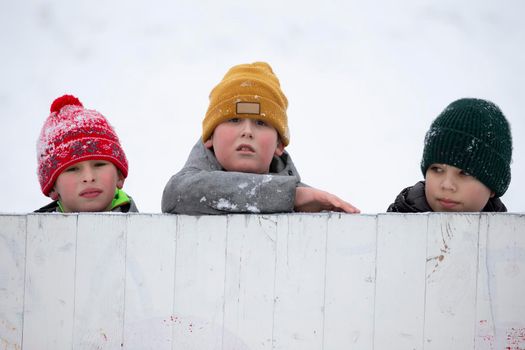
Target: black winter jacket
x=412 y=200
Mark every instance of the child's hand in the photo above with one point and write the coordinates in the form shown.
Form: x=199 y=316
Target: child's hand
x=308 y=199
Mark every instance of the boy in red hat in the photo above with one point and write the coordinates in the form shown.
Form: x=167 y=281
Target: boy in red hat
x=81 y=164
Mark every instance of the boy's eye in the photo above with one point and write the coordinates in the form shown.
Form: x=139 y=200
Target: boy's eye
x=71 y=169
x=99 y=164
x=464 y=173
x=260 y=122
x=234 y=120
x=436 y=169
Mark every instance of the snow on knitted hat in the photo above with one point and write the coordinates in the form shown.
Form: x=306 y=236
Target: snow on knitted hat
x=473 y=135
x=73 y=134
x=248 y=91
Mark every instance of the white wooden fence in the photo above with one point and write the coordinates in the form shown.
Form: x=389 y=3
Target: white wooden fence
x=324 y=281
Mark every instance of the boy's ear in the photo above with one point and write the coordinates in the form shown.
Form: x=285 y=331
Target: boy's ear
x=492 y=194
x=120 y=181
x=209 y=144
x=53 y=194
x=279 y=149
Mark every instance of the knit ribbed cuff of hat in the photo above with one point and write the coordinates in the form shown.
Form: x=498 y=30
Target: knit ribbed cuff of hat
x=269 y=111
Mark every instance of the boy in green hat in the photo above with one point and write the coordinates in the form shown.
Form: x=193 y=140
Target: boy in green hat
x=466 y=162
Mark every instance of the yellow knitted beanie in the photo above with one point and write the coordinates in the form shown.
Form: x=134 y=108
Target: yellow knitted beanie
x=248 y=91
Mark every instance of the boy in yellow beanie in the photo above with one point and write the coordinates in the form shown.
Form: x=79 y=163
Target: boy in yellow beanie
x=240 y=165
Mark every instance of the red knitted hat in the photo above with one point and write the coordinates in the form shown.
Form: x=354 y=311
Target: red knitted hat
x=72 y=134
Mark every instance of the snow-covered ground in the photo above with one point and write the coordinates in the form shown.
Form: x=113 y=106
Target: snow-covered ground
x=364 y=80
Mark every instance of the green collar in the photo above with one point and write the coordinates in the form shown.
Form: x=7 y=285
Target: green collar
x=119 y=199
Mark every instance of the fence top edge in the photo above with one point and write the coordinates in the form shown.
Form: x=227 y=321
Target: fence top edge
x=334 y=215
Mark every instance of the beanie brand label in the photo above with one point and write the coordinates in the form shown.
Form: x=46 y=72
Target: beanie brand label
x=248 y=108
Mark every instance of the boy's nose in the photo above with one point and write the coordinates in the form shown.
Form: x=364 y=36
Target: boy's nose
x=88 y=175
x=246 y=128
x=448 y=183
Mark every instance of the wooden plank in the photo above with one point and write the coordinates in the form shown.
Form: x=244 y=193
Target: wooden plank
x=452 y=265
x=300 y=281
x=506 y=278
x=150 y=280
x=198 y=310
x=350 y=282
x=100 y=281
x=250 y=277
x=400 y=281
x=49 y=282
x=12 y=278
x=485 y=334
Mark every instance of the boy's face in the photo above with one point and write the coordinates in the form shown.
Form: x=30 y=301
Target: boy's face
x=245 y=145
x=87 y=186
x=448 y=188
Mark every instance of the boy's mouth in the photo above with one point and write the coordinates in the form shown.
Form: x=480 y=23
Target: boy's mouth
x=245 y=148
x=447 y=203
x=90 y=193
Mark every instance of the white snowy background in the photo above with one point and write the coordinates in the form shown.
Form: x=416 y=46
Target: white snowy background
x=364 y=80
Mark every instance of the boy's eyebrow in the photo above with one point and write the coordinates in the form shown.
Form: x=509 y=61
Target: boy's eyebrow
x=248 y=108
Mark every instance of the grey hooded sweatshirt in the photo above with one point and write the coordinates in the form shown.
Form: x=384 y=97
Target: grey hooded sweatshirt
x=204 y=187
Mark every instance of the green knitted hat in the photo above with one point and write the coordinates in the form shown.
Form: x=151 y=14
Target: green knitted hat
x=472 y=135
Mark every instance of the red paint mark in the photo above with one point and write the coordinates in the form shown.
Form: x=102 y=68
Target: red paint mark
x=488 y=339
x=173 y=319
x=485 y=335
x=515 y=339
x=438 y=259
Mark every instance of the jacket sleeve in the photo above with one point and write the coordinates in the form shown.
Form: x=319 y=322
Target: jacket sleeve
x=201 y=187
